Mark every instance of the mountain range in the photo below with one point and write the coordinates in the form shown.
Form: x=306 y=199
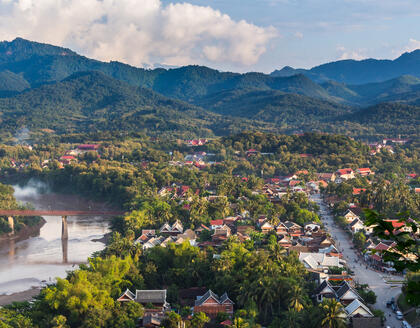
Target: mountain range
x=44 y=86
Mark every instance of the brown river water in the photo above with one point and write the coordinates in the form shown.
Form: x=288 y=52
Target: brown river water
x=38 y=260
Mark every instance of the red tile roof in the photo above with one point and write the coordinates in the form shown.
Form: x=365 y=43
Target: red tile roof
x=216 y=222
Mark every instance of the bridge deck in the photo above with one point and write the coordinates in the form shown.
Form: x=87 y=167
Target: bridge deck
x=58 y=213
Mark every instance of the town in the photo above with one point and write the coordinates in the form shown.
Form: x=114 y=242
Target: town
x=316 y=218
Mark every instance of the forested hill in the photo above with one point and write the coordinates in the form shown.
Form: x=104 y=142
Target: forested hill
x=272 y=106
x=43 y=86
x=360 y=71
x=91 y=101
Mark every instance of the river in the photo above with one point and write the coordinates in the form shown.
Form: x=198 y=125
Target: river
x=39 y=259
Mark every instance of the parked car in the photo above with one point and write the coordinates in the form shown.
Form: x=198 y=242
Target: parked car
x=405 y=324
x=399 y=315
x=393 y=307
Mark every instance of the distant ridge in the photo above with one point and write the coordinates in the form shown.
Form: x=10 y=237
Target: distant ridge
x=360 y=71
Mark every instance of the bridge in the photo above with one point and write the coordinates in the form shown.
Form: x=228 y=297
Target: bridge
x=10 y=214
x=64 y=214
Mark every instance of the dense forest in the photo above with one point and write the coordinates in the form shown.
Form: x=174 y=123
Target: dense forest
x=46 y=87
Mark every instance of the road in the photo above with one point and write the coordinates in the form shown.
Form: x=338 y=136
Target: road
x=375 y=280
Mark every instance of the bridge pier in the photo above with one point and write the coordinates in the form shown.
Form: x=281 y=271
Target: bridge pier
x=11 y=225
x=64 y=247
x=64 y=228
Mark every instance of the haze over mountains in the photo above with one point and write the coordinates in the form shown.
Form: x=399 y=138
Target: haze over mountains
x=43 y=86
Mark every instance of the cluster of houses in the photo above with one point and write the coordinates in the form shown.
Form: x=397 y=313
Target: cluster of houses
x=346 y=294
x=374 y=247
x=156 y=306
x=386 y=144
x=196 y=142
x=198 y=160
x=71 y=155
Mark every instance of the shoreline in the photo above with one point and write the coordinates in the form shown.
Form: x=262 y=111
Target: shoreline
x=26 y=295
x=23 y=234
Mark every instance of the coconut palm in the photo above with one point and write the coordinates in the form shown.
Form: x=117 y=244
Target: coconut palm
x=334 y=316
x=296 y=298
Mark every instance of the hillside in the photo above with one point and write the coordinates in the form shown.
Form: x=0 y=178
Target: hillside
x=394 y=118
x=91 y=101
x=11 y=83
x=272 y=106
x=360 y=71
x=38 y=63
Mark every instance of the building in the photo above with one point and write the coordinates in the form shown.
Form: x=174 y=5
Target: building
x=320 y=261
x=345 y=174
x=154 y=299
x=357 y=309
x=211 y=304
x=350 y=216
x=364 y=171
x=173 y=230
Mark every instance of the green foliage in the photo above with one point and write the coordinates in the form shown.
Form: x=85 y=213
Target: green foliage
x=405 y=254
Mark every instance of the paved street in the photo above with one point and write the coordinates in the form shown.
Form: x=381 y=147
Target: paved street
x=374 y=279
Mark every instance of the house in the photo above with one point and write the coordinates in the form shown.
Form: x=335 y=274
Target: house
x=345 y=174
x=266 y=227
x=357 y=309
x=356 y=226
x=319 y=261
x=173 y=230
x=312 y=227
x=221 y=234
x=281 y=229
x=293 y=229
x=364 y=172
x=156 y=298
x=324 y=290
x=358 y=191
x=244 y=229
x=346 y=294
x=285 y=241
x=211 y=304
x=350 y=216
x=328 y=177
x=343 y=293
x=67 y=159
x=201 y=228
x=214 y=224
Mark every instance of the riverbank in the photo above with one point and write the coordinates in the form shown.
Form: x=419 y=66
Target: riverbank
x=24 y=233
x=26 y=295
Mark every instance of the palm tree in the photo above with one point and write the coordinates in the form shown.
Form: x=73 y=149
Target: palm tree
x=334 y=316
x=296 y=298
x=240 y=323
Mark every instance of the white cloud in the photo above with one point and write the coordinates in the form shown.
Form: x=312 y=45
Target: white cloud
x=139 y=32
x=350 y=54
x=298 y=35
x=412 y=45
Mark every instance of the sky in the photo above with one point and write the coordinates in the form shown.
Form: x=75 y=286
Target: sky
x=230 y=35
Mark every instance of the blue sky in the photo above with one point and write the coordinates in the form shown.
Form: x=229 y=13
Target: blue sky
x=235 y=35
x=312 y=32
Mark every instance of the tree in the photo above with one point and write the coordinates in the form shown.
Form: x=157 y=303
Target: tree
x=359 y=239
x=296 y=298
x=334 y=316
x=405 y=254
x=172 y=320
x=199 y=320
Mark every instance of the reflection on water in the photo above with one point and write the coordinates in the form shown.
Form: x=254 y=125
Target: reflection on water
x=26 y=263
